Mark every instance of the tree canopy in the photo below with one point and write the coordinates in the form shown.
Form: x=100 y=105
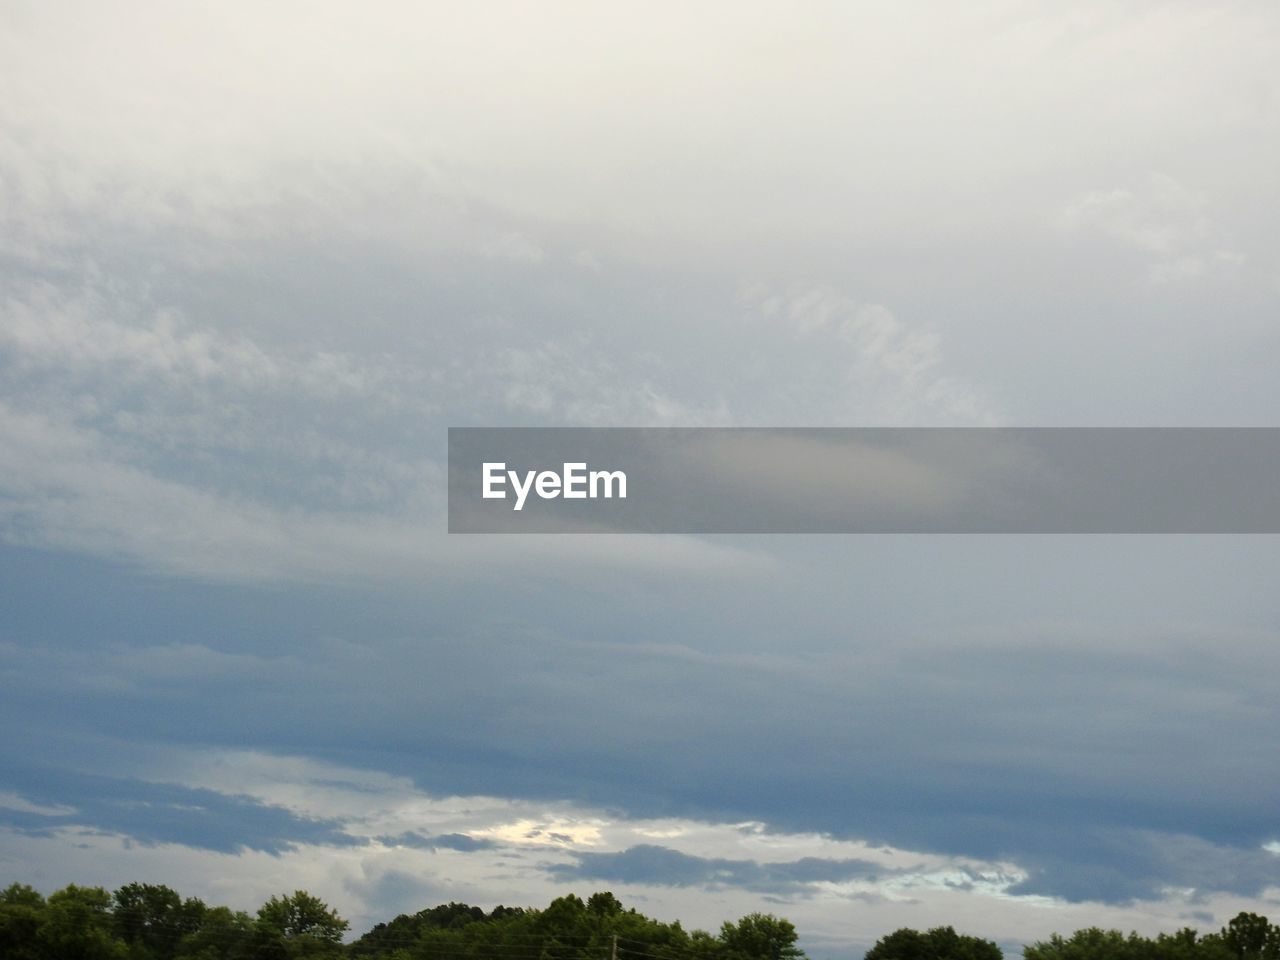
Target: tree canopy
x=940 y=943
x=145 y=921
x=569 y=928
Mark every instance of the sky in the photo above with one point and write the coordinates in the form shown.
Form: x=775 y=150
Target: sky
x=256 y=259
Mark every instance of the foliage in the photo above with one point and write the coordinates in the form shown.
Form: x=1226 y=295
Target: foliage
x=1247 y=937
x=153 y=919
x=143 y=921
x=566 y=929
x=298 y=925
x=759 y=936
x=1251 y=937
x=940 y=943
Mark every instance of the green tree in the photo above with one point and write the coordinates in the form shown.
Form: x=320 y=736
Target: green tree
x=1091 y=943
x=703 y=946
x=298 y=925
x=302 y=915
x=1252 y=937
x=760 y=936
x=77 y=925
x=22 y=911
x=223 y=934
x=604 y=904
x=21 y=895
x=939 y=943
x=152 y=919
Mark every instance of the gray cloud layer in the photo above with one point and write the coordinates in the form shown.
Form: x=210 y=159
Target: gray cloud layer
x=153 y=813
x=651 y=864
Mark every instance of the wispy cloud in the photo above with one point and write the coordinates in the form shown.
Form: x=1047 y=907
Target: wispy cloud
x=1164 y=221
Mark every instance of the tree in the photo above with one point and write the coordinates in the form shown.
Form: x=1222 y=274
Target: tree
x=760 y=936
x=302 y=915
x=298 y=925
x=22 y=910
x=703 y=946
x=1186 y=944
x=1252 y=937
x=1091 y=943
x=939 y=943
x=77 y=926
x=223 y=935
x=566 y=929
x=604 y=904
x=154 y=917
x=21 y=895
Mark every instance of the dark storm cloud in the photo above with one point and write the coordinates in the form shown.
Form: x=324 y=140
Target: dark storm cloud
x=662 y=866
x=151 y=813
x=1055 y=750
x=443 y=841
x=1121 y=866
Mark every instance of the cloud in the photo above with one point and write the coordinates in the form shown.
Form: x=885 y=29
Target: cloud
x=1163 y=220
x=65 y=486
x=879 y=363
x=662 y=866
x=448 y=841
x=1146 y=865
x=374 y=845
x=157 y=813
x=578 y=385
x=1002 y=732
x=11 y=800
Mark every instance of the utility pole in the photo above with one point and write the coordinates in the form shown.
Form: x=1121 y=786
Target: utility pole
x=613 y=954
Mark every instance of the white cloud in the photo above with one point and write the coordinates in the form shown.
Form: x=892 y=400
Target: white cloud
x=64 y=487
x=92 y=332
x=577 y=384
x=1161 y=218
x=11 y=800
x=887 y=372
x=742 y=125
x=1165 y=221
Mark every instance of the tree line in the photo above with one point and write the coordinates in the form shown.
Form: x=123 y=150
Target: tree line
x=1247 y=937
x=142 y=921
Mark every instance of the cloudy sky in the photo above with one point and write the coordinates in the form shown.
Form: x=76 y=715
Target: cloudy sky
x=255 y=259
